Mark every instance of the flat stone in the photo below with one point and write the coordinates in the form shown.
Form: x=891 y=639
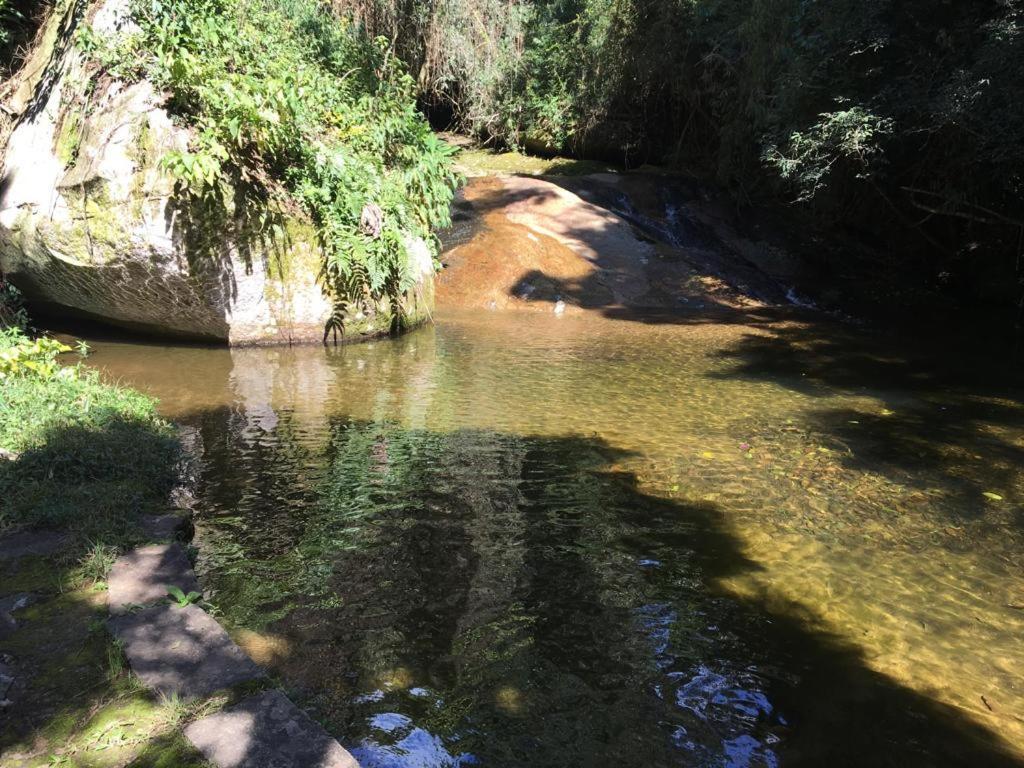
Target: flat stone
x=266 y=730
x=24 y=543
x=171 y=526
x=181 y=651
x=142 y=576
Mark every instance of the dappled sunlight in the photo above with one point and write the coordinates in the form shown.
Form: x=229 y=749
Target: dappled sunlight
x=73 y=699
x=539 y=246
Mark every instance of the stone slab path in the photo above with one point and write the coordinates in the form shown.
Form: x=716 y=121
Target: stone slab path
x=24 y=543
x=266 y=730
x=181 y=651
x=166 y=527
x=142 y=576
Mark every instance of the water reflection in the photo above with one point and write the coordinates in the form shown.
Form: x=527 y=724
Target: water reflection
x=575 y=543
x=473 y=595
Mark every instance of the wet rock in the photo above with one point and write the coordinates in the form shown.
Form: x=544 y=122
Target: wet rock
x=142 y=576
x=266 y=730
x=25 y=543
x=8 y=606
x=181 y=651
x=91 y=222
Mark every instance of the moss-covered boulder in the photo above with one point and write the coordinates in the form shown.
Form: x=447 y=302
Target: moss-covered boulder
x=92 y=223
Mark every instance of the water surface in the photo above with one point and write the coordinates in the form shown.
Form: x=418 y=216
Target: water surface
x=512 y=540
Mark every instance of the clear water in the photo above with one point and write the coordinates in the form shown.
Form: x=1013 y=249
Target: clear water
x=526 y=540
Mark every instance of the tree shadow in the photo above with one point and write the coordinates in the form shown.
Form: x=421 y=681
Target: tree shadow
x=94 y=485
x=655 y=261
x=506 y=598
x=938 y=414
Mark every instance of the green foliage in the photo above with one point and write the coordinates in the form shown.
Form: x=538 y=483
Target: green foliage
x=92 y=455
x=850 y=135
x=181 y=599
x=8 y=16
x=22 y=356
x=288 y=104
x=12 y=307
x=898 y=120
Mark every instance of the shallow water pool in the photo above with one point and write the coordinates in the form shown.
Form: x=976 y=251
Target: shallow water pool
x=509 y=540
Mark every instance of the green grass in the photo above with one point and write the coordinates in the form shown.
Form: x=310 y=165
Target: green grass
x=478 y=161
x=93 y=456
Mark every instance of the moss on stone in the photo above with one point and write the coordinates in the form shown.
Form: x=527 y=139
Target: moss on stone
x=81 y=704
x=69 y=137
x=99 y=227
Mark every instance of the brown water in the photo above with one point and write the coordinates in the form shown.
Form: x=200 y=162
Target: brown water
x=520 y=539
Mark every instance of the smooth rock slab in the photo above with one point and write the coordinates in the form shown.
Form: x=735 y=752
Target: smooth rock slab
x=181 y=651
x=266 y=731
x=26 y=543
x=142 y=576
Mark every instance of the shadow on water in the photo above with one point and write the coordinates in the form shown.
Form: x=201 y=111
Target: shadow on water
x=948 y=420
x=481 y=597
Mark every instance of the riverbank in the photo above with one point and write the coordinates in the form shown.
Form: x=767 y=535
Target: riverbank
x=695 y=246
x=93 y=483
x=85 y=465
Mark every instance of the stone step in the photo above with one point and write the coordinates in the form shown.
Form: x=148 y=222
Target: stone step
x=169 y=526
x=142 y=576
x=181 y=651
x=266 y=730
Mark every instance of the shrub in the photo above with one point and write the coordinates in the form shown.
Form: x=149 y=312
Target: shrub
x=289 y=104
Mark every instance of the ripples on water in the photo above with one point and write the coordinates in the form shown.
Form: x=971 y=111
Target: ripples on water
x=508 y=541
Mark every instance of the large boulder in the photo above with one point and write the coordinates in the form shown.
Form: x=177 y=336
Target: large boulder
x=91 y=223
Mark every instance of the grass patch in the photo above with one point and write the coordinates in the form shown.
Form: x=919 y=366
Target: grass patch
x=91 y=456
x=478 y=161
x=89 y=459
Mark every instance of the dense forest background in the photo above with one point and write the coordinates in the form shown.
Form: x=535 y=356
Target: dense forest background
x=895 y=124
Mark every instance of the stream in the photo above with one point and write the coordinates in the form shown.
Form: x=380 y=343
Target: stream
x=522 y=539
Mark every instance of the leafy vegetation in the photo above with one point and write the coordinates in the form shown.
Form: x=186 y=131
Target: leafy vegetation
x=12 y=308
x=19 y=20
x=181 y=599
x=894 y=124
x=90 y=456
x=290 y=106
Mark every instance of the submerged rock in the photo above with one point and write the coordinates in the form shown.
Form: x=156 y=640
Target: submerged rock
x=91 y=222
x=266 y=730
